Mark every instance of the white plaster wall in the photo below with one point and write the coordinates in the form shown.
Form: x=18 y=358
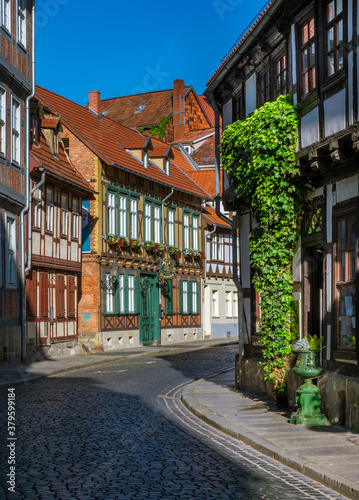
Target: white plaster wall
x=309 y=128
x=334 y=113
x=63 y=249
x=74 y=251
x=227 y=114
x=35 y=243
x=48 y=245
x=347 y=188
x=31 y=330
x=251 y=94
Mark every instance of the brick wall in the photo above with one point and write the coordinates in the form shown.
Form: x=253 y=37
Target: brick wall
x=195 y=118
x=89 y=298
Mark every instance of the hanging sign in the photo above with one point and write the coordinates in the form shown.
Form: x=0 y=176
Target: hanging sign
x=166 y=268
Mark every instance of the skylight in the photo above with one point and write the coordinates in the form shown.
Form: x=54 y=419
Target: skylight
x=104 y=113
x=140 y=108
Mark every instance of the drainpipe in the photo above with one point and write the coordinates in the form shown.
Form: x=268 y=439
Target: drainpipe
x=205 y=277
x=29 y=220
x=234 y=236
x=26 y=188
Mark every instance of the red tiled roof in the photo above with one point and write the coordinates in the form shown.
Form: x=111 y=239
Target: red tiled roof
x=50 y=121
x=242 y=37
x=205 y=154
x=194 y=135
x=206 y=179
x=208 y=108
x=210 y=214
x=140 y=143
x=102 y=135
x=160 y=152
x=57 y=166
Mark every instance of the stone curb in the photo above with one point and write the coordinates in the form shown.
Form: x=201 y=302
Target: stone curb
x=338 y=483
x=29 y=377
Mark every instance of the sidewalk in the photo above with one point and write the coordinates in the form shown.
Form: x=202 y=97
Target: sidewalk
x=13 y=374
x=329 y=455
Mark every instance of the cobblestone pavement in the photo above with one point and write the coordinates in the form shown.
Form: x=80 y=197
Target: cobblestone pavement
x=120 y=432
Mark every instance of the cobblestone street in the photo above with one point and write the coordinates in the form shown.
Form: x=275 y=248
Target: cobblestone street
x=120 y=431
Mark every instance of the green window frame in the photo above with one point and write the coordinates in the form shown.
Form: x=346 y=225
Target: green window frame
x=171 y=226
x=121 y=218
x=131 y=293
x=168 y=288
x=189 y=297
x=108 y=296
x=152 y=220
x=191 y=227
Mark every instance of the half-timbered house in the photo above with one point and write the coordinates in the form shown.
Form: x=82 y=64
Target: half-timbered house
x=310 y=50
x=142 y=260
x=16 y=86
x=54 y=238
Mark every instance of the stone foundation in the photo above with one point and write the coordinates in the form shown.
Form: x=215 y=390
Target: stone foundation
x=340 y=394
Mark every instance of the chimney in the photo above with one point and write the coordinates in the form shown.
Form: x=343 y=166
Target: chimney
x=179 y=126
x=94 y=101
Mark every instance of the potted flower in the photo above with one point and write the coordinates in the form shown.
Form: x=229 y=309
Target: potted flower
x=149 y=246
x=135 y=243
x=174 y=252
x=307 y=366
x=112 y=240
x=159 y=248
x=123 y=241
x=188 y=253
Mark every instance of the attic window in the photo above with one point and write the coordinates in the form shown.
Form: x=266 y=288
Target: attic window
x=140 y=108
x=104 y=113
x=187 y=149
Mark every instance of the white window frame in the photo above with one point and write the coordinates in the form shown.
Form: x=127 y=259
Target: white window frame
x=148 y=231
x=111 y=214
x=185 y=297
x=3 y=121
x=75 y=217
x=195 y=232
x=145 y=159
x=122 y=215
x=156 y=224
x=194 y=297
x=15 y=131
x=229 y=304
x=10 y=250
x=21 y=22
x=110 y=296
x=64 y=214
x=167 y=167
x=214 y=248
x=215 y=303
x=131 y=293
x=220 y=247
x=36 y=201
x=235 y=304
x=186 y=230
x=121 y=294
x=49 y=209
x=171 y=227
x=133 y=218
x=6 y=14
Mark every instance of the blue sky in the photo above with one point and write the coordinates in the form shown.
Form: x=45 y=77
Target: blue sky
x=126 y=47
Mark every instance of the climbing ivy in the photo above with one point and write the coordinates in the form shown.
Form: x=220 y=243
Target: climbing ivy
x=258 y=155
x=158 y=130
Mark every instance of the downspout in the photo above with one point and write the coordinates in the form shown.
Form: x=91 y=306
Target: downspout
x=163 y=242
x=234 y=236
x=29 y=220
x=204 y=281
x=26 y=188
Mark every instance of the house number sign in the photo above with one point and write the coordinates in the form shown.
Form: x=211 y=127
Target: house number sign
x=166 y=267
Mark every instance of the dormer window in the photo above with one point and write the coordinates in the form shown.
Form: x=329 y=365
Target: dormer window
x=140 y=108
x=167 y=166
x=188 y=149
x=145 y=159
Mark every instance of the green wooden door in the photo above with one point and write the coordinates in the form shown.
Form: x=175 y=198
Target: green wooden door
x=149 y=309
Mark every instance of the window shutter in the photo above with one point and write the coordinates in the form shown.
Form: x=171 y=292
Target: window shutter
x=71 y=307
x=44 y=305
x=181 y=297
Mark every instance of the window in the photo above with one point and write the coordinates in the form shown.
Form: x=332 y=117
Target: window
x=75 y=218
x=220 y=247
x=56 y=142
x=214 y=303
x=345 y=280
x=2 y=121
x=171 y=227
x=309 y=81
x=36 y=203
x=281 y=76
x=133 y=218
x=189 y=297
x=263 y=88
x=120 y=295
x=71 y=297
x=214 y=247
x=111 y=216
x=10 y=250
x=195 y=235
x=131 y=293
x=237 y=107
x=44 y=295
x=64 y=213
x=49 y=209
x=186 y=229
x=168 y=291
x=122 y=216
x=235 y=304
x=184 y=296
x=6 y=14
x=21 y=22
x=109 y=295
x=157 y=225
x=16 y=128
x=168 y=167
x=335 y=36
x=148 y=226
x=228 y=298
x=60 y=296
x=145 y=159
x=195 y=297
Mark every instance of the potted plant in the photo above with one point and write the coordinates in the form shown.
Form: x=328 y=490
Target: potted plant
x=174 y=252
x=188 y=253
x=149 y=246
x=123 y=241
x=112 y=240
x=307 y=366
x=159 y=248
x=135 y=243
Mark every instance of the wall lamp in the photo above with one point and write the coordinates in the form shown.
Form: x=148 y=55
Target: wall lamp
x=110 y=278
